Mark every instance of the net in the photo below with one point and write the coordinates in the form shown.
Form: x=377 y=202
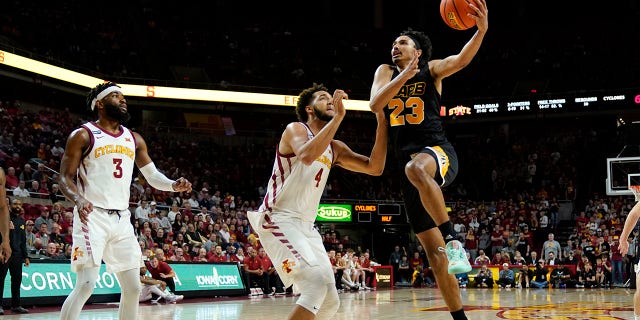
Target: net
x=636 y=191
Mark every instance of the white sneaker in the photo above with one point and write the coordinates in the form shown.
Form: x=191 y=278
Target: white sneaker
x=172 y=298
x=155 y=301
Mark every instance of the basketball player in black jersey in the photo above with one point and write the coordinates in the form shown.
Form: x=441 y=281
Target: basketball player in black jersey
x=409 y=93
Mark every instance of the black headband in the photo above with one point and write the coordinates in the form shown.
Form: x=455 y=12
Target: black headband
x=417 y=43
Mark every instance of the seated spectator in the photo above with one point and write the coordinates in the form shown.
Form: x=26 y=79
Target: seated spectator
x=587 y=277
x=338 y=270
x=12 y=181
x=21 y=190
x=482 y=258
x=561 y=277
x=272 y=273
x=506 y=278
x=202 y=256
x=552 y=260
x=53 y=253
x=161 y=270
x=255 y=275
x=539 y=279
x=484 y=278
x=180 y=256
x=404 y=270
x=151 y=286
x=217 y=255
x=31 y=236
x=417 y=279
x=463 y=279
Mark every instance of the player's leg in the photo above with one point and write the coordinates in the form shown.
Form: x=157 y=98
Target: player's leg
x=636 y=298
x=432 y=241
x=85 y=282
x=421 y=171
x=130 y=285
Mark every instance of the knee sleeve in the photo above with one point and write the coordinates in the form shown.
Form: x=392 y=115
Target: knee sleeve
x=85 y=282
x=330 y=305
x=131 y=287
x=316 y=294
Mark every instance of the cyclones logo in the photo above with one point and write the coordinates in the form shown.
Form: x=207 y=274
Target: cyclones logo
x=287 y=265
x=77 y=253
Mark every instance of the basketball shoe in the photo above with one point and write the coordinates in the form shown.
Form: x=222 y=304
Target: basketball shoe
x=457 y=256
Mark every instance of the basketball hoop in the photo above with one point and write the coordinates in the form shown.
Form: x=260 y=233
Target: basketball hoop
x=636 y=191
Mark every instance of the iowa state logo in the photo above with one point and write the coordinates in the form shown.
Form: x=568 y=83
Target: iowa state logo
x=288 y=265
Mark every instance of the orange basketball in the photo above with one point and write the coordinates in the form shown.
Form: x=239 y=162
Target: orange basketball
x=454 y=14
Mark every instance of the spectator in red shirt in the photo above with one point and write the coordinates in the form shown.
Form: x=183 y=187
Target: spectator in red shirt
x=180 y=256
x=217 y=255
x=161 y=270
x=272 y=273
x=255 y=274
x=11 y=179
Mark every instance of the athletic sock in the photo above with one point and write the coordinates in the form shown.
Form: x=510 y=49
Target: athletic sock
x=459 y=315
x=446 y=229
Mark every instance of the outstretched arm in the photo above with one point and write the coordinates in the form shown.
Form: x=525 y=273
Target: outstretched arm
x=443 y=68
x=374 y=163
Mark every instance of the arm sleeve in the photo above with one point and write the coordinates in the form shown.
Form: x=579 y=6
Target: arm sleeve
x=155 y=178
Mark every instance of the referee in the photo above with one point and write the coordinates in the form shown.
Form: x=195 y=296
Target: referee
x=18 y=239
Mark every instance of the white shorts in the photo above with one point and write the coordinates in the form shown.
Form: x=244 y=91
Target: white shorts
x=295 y=248
x=106 y=237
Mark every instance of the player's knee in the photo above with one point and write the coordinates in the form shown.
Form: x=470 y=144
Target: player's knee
x=316 y=299
x=413 y=171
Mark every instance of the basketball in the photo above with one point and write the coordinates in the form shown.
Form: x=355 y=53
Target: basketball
x=454 y=14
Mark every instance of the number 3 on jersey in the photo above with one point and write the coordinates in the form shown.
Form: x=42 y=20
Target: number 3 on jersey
x=397 y=106
x=117 y=162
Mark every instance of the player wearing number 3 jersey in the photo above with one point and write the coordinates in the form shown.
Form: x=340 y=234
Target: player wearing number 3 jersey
x=284 y=222
x=95 y=174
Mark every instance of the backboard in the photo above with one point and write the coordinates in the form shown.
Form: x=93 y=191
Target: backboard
x=621 y=173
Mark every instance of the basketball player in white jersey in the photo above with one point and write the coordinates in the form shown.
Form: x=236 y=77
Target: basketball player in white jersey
x=284 y=222
x=96 y=172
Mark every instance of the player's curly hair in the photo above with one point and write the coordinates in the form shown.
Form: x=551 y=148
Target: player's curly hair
x=423 y=43
x=96 y=91
x=304 y=99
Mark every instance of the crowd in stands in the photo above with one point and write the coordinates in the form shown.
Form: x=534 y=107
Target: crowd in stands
x=209 y=224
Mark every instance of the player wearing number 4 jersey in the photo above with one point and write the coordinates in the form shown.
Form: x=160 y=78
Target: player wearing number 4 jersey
x=409 y=93
x=96 y=172
x=284 y=222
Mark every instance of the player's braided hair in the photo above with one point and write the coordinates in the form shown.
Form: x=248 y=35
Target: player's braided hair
x=304 y=99
x=423 y=42
x=96 y=91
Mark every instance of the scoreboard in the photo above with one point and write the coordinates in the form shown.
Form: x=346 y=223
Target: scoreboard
x=380 y=213
x=575 y=102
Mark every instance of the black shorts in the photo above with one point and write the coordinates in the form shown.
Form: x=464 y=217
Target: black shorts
x=447 y=162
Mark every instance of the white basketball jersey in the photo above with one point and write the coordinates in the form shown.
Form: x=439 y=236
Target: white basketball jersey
x=294 y=189
x=106 y=169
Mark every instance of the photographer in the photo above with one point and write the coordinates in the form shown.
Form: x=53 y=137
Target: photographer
x=539 y=279
x=561 y=277
x=484 y=279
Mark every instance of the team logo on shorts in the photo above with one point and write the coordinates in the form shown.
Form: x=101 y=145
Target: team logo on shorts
x=288 y=265
x=77 y=253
